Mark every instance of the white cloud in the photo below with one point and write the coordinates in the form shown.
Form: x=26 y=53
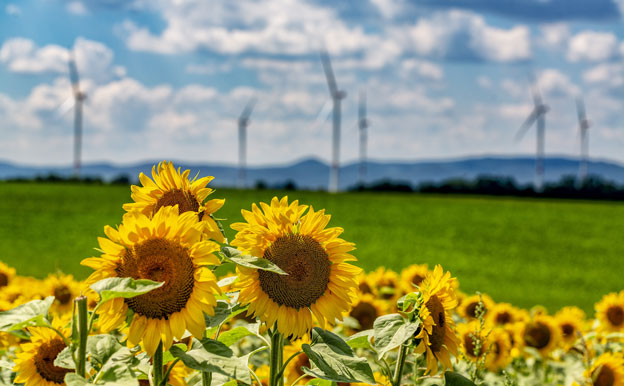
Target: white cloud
x=422 y=68
x=554 y=83
x=484 y=82
x=388 y=8
x=592 y=46
x=555 y=35
x=12 y=9
x=77 y=8
x=605 y=74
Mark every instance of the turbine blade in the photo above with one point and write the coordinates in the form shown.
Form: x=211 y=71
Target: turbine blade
x=248 y=109
x=580 y=110
x=67 y=105
x=329 y=73
x=323 y=114
x=526 y=125
x=73 y=75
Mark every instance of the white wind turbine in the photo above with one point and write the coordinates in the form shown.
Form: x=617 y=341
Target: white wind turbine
x=363 y=125
x=78 y=99
x=537 y=115
x=584 y=135
x=337 y=96
x=243 y=122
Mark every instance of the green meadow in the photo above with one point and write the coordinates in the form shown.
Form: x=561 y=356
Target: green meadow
x=523 y=251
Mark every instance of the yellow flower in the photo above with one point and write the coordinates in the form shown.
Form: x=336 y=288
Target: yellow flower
x=164 y=248
x=293 y=370
x=171 y=187
x=610 y=312
x=34 y=365
x=437 y=335
x=495 y=344
x=386 y=285
x=570 y=320
x=542 y=333
x=6 y=274
x=64 y=289
x=319 y=280
x=504 y=313
x=607 y=370
x=468 y=307
x=412 y=276
x=366 y=309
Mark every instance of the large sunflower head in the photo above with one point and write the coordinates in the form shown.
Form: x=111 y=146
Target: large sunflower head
x=169 y=187
x=469 y=305
x=542 y=333
x=34 y=365
x=607 y=370
x=570 y=321
x=610 y=312
x=318 y=280
x=412 y=276
x=437 y=333
x=166 y=247
x=6 y=274
x=64 y=289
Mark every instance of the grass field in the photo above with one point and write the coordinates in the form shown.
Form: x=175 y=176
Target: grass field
x=523 y=251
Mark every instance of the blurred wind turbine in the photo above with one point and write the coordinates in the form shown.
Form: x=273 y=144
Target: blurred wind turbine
x=337 y=96
x=243 y=122
x=363 y=124
x=79 y=98
x=584 y=134
x=537 y=115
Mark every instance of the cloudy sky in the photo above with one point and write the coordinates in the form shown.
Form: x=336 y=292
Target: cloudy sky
x=444 y=78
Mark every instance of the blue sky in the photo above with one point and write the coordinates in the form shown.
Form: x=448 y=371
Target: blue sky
x=444 y=78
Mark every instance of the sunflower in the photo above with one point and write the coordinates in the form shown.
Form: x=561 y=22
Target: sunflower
x=64 y=289
x=437 y=336
x=263 y=372
x=293 y=370
x=542 y=333
x=501 y=314
x=412 y=276
x=6 y=274
x=495 y=344
x=165 y=248
x=570 y=321
x=171 y=187
x=607 y=370
x=34 y=365
x=468 y=307
x=366 y=309
x=386 y=285
x=364 y=284
x=319 y=280
x=610 y=312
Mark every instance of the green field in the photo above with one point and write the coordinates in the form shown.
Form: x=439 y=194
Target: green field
x=523 y=251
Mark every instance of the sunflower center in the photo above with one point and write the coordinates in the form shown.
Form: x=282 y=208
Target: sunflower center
x=186 y=202
x=4 y=279
x=62 y=294
x=503 y=317
x=159 y=260
x=567 y=330
x=365 y=314
x=365 y=288
x=469 y=345
x=615 y=315
x=605 y=376
x=436 y=309
x=307 y=265
x=471 y=309
x=417 y=279
x=537 y=335
x=44 y=361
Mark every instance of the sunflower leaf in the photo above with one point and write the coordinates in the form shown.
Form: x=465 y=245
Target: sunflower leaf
x=333 y=341
x=123 y=287
x=102 y=347
x=235 y=256
x=391 y=331
x=223 y=312
x=31 y=314
x=454 y=379
x=64 y=359
x=216 y=357
x=334 y=366
x=361 y=340
x=119 y=368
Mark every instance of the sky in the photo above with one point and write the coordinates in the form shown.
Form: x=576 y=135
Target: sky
x=443 y=78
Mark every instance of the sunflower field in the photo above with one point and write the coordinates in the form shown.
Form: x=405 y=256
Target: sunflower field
x=296 y=311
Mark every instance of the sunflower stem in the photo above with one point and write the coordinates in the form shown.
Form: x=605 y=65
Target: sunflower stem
x=400 y=363
x=157 y=360
x=206 y=378
x=83 y=334
x=277 y=352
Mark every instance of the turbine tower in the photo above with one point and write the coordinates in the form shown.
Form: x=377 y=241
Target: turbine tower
x=337 y=96
x=79 y=98
x=362 y=125
x=243 y=122
x=537 y=115
x=584 y=134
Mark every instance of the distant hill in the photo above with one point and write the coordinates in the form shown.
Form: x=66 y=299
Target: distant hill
x=314 y=174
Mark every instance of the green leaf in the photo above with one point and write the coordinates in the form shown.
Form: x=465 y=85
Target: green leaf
x=232 y=336
x=391 y=331
x=64 y=359
x=73 y=379
x=222 y=313
x=453 y=379
x=31 y=314
x=235 y=256
x=333 y=341
x=123 y=287
x=119 y=368
x=216 y=357
x=227 y=281
x=320 y=382
x=102 y=347
x=4 y=364
x=361 y=340
x=333 y=366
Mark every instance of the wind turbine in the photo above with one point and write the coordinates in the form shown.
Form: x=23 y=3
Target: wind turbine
x=337 y=96
x=243 y=122
x=584 y=134
x=79 y=98
x=537 y=115
x=362 y=125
